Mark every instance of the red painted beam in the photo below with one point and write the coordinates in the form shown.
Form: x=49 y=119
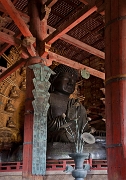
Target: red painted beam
x=84 y=1
x=71 y=40
x=9 y=39
x=71 y=23
x=14 y=14
x=83 y=46
x=80 y=44
x=75 y=65
x=8 y=5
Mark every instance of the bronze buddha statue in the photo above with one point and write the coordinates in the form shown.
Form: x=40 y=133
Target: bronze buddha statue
x=62 y=85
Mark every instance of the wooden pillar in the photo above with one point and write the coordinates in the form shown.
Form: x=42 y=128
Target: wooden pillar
x=38 y=23
x=28 y=125
x=115 y=69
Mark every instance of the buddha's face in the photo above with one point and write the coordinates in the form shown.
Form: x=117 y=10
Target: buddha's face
x=65 y=83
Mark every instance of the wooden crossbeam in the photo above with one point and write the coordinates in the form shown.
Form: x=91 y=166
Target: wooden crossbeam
x=83 y=46
x=84 y=1
x=62 y=59
x=60 y=32
x=12 y=11
x=9 y=39
x=71 y=40
x=14 y=14
x=71 y=23
x=76 y=65
x=80 y=44
x=50 y=3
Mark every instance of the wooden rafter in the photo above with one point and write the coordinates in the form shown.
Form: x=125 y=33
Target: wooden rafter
x=69 y=62
x=84 y=1
x=71 y=23
x=50 y=3
x=80 y=44
x=83 y=46
x=76 y=65
x=14 y=14
x=71 y=40
x=60 y=33
x=9 y=39
x=12 y=11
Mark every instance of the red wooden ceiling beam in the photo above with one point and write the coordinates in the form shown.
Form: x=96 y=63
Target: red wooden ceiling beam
x=14 y=14
x=84 y=1
x=71 y=23
x=9 y=39
x=83 y=46
x=50 y=3
x=80 y=44
x=75 y=65
x=71 y=40
x=12 y=11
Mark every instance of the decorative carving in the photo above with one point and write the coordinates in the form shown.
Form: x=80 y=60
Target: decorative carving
x=15 y=55
x=45 y=12
x=9 y=107
x=14 y=93
x=103 y=100
x=23 y=71
x=23 y=85
x=8 y=135
x=103 y=90
x=10 y=123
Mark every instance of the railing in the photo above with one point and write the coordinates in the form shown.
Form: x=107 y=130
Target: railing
x=11 y=166
x=54 y=165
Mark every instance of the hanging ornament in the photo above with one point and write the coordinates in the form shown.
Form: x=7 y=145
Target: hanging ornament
x=85 y=74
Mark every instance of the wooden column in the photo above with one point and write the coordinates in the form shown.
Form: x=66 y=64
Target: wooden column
x=28 y=125
x=115 y=68
x=38 y=22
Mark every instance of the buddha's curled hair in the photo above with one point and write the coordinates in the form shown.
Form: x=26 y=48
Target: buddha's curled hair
x=61 y=68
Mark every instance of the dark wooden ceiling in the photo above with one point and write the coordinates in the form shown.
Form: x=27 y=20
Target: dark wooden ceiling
x=75 y=31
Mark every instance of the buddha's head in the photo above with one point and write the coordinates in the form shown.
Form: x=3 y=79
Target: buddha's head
x=64 y=80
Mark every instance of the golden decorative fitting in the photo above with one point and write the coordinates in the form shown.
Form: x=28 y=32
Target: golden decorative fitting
x=45 y=10
x=2 y=19
x=14 y=55
x=47 y=47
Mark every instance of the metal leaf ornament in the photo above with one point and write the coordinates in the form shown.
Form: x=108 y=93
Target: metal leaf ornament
x=85 y=74
x=88 y=138
x=66 y=125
